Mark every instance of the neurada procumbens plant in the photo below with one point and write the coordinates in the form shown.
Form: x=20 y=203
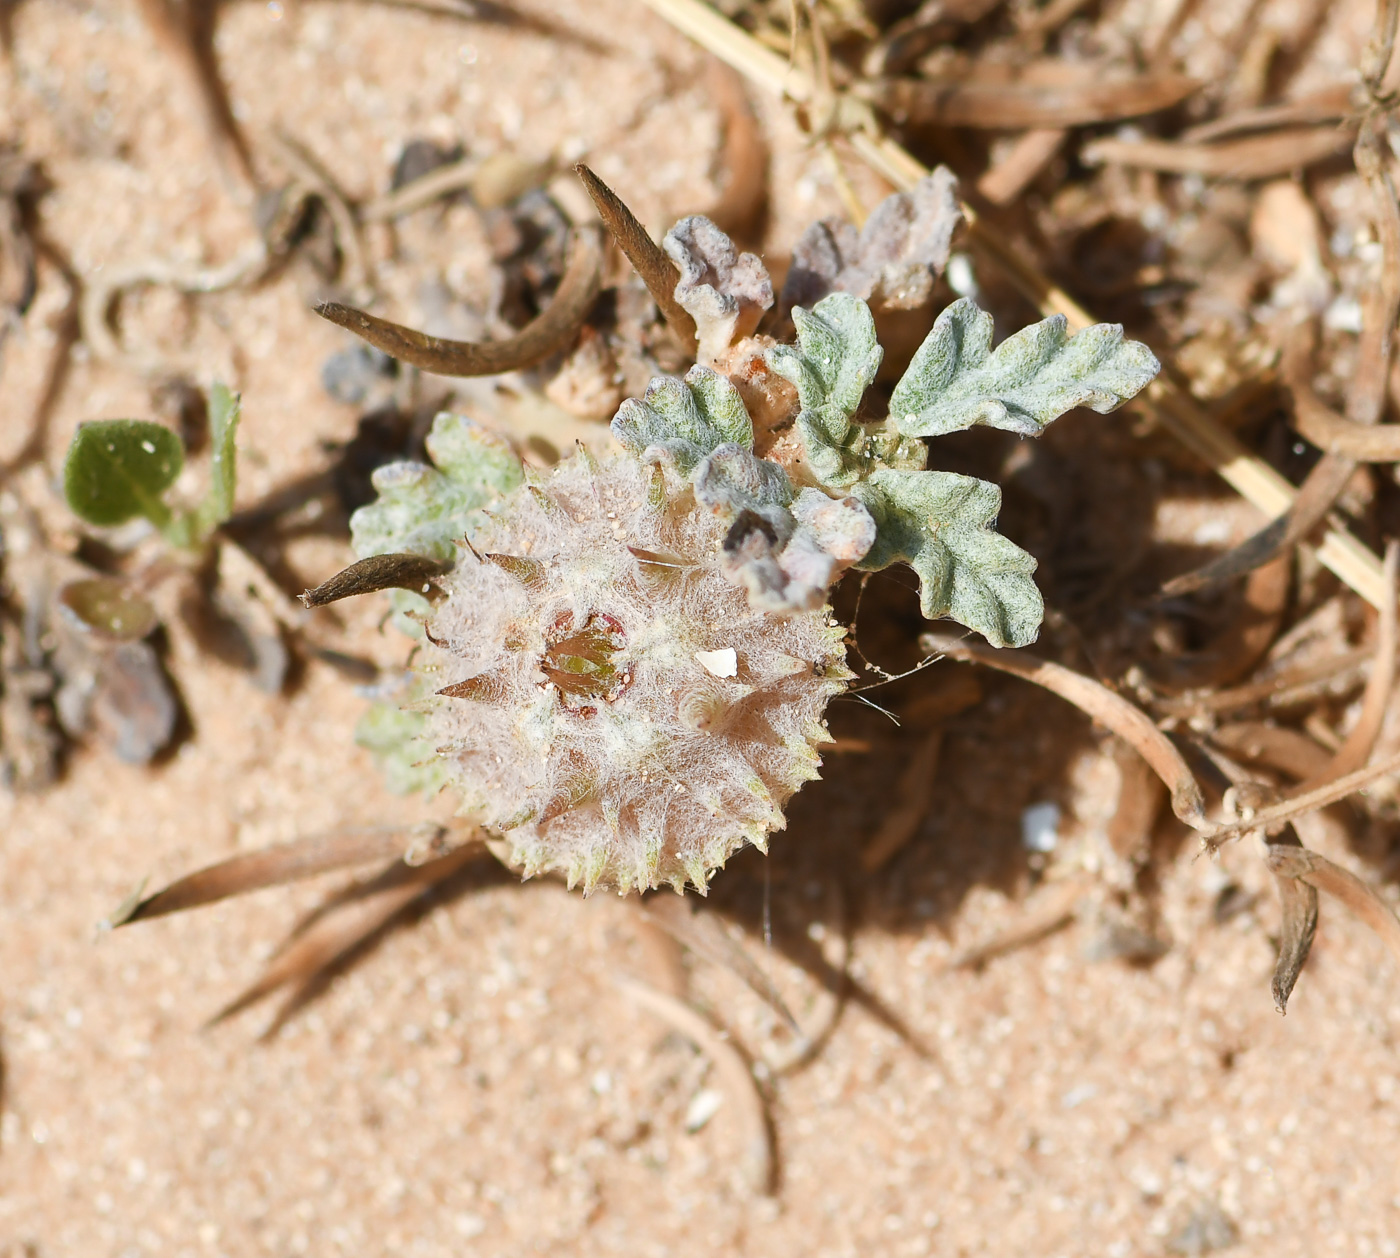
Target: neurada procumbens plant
x=623 y=662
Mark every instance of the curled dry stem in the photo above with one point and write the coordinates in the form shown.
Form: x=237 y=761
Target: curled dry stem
x=734 y=1071
x=1306 y=802
x=648 y=259
x=1361 y=898
x=548 y=333
x=1125 y=719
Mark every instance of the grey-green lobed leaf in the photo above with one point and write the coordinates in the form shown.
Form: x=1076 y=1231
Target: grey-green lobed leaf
x=117 y=469
x=681 y=421
x=940 y=524
x=956 y=380
x=423 y=510
x=836 y=355
x=833 y=363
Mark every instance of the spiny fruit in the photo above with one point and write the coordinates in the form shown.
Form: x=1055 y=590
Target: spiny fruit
x=604 y=699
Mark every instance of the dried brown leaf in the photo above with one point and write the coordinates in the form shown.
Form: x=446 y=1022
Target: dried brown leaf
x=656 y=270
x=549 y=332
x=378 y=572
x=1360 y=897
x=1298 y=925
x=271 y=867
x=1099 y=95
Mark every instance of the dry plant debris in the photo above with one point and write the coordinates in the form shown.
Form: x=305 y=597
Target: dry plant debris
x=1206 y=206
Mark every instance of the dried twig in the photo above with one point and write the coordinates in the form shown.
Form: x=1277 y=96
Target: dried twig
x=546 y=334
x=1125 y=719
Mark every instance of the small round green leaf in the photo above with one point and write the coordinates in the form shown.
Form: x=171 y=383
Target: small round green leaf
x=108 y=608
x=119 y=468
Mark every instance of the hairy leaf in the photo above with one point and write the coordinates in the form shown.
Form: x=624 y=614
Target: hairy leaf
x=836 y=355
x=939 y=524
x=424 y=510
x=117 y=469
x=731 y=479
x=956 y=380
x=680 y=422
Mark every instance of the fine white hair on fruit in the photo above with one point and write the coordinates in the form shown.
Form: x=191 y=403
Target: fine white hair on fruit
x=605 y=699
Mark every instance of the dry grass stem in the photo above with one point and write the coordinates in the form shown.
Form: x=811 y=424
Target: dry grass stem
x=1035 y=149
x=1328 y=104
x=1297 y=805
x=271 y=867
x=549 y=332
x=1316 y=496
x=1361 y=742
x=1274 y=746
x=1284 y=687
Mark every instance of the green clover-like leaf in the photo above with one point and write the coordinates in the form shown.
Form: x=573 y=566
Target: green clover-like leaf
x=939 y=524
x=682 y=421
x=117 y=469
x=956 y=380
x=425 y=510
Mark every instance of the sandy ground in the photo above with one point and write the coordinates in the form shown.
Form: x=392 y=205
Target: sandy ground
x=477 y=1083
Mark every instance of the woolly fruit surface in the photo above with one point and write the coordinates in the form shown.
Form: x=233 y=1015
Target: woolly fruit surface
x=604 y=698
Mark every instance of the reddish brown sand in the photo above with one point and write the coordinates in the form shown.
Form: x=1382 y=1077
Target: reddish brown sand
x=478 y=1084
